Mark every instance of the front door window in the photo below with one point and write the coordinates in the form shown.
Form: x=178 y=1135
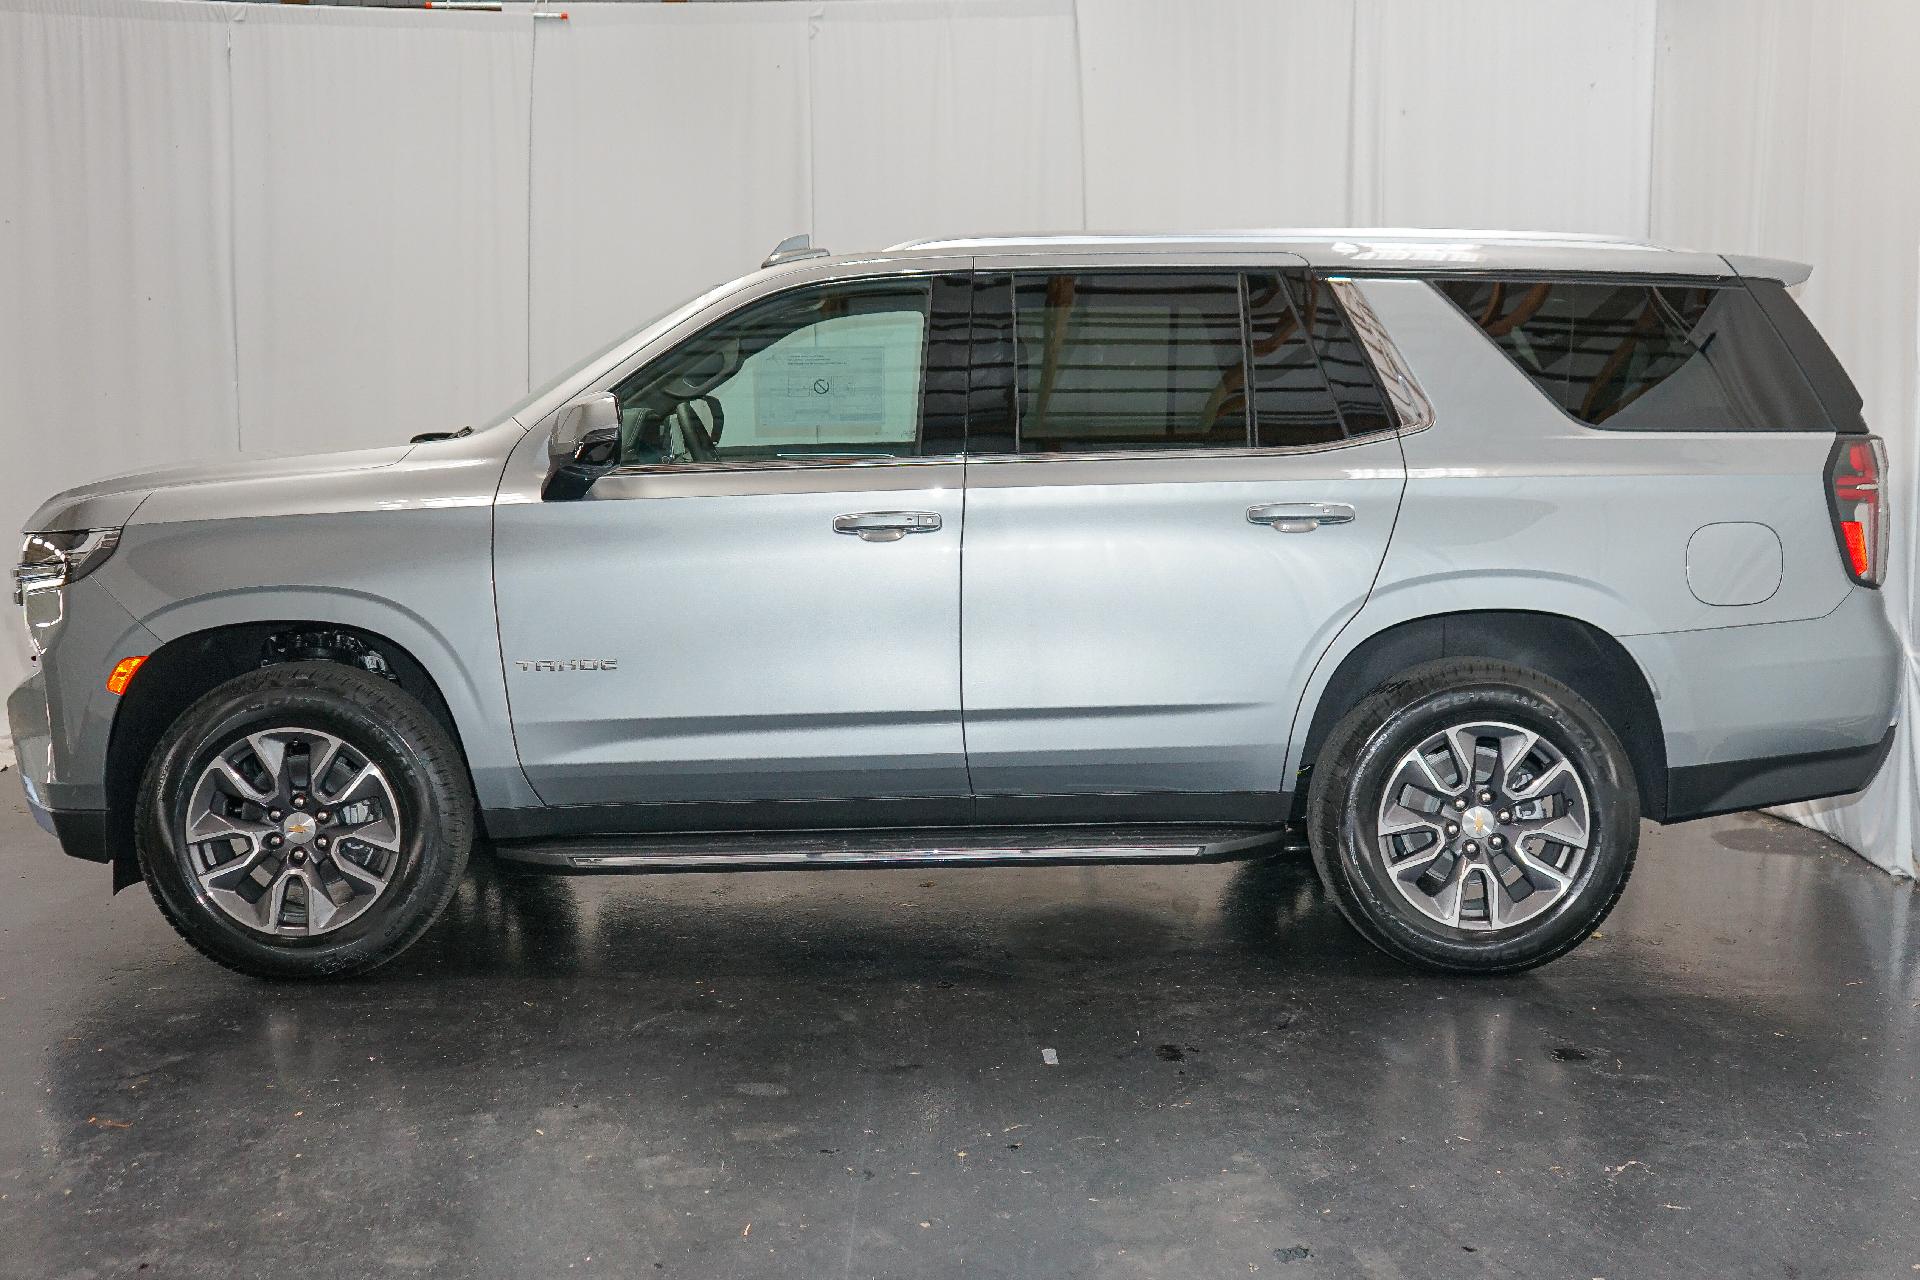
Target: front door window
x=821 y=373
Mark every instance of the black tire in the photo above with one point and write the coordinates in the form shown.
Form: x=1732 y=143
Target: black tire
x=1357 y=762
x=381 y=722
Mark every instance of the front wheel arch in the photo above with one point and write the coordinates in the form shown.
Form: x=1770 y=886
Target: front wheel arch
x=180 y=672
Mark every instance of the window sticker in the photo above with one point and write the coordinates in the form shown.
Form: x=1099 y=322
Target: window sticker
x=840 y=387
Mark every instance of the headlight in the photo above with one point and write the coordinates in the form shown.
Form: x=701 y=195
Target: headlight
x=48 y=563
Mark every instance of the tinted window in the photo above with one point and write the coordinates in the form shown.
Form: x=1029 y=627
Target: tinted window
x=1343 y=361
x=834 y=370
x=1646 y=357
x=1825 y=374
x=1291 y=405
x=1110 y=361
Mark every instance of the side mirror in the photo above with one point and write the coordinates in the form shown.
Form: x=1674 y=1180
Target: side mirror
x=588 y=431
x=585 y=443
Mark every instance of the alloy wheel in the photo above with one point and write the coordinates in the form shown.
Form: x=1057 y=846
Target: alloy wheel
x=292 y=832
x=1484 y=825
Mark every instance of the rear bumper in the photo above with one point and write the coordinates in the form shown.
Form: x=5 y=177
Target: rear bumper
x=1702 y=790
x=1773 y=713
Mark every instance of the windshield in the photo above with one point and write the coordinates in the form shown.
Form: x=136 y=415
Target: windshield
x=660 y=324
x=553 y=384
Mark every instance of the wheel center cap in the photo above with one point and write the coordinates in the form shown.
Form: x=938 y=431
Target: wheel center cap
x=299 y=827
x=1477 y=822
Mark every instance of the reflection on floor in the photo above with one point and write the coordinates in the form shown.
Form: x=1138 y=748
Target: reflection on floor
x=847 y=1074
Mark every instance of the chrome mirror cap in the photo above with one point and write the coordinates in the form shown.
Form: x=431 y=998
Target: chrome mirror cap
x=585 y=421
x=584 y=445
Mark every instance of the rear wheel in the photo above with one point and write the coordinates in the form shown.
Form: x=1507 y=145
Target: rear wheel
x=1474 y=817
x=305 y=820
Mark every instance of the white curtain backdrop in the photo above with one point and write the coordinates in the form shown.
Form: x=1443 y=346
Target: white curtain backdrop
x=1788 y=127
x=281 y=228
x=669 y=153
x=1478 y=113
x=116 y=246
x=379 y=221
x=1236 y=113
x=943 y=118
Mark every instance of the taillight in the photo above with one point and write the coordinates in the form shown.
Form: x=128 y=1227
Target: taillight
x=1857 y=496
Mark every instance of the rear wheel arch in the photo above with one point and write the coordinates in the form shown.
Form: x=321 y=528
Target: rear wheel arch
x=1577 y=654
x=177 y=674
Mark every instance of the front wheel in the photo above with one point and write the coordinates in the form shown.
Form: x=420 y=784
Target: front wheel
x=1474 y=817
x=305 y=820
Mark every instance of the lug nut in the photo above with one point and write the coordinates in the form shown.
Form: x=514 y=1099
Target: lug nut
x=323 y=842
x=1459 y=803
x=273 y=815
x=1486 y=797
x=322 y=816
x=1505 y=815
x=299 y=801
x=297 y=857
x=1453 y=828
x=1471 y=847
x=1496 y=841
x=275 y=840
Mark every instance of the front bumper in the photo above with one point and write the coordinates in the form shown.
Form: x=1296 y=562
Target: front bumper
x=82 y=832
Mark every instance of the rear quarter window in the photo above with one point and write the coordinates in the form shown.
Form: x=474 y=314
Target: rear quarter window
x=1644 y=356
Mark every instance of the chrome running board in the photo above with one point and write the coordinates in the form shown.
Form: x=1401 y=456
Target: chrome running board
x=1001 y=846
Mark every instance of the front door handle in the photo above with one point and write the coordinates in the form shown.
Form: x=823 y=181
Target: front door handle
x=886 y=526
x=1299 y=517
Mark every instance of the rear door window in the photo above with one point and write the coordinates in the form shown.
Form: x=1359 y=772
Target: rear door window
x=1312 y=382
x=1641 y=356
x=1113 y=361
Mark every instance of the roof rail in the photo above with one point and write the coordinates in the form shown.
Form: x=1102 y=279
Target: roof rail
x=792 y=249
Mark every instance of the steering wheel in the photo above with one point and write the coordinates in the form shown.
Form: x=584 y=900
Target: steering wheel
x=694 y=432
x=716 y=415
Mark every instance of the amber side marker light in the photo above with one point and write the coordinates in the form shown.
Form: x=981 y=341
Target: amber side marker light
x=123 y=674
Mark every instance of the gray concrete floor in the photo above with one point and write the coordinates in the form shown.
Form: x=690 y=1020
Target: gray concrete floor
x=840 y=1075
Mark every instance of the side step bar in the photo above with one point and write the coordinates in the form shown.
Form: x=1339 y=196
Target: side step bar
x=771 y=851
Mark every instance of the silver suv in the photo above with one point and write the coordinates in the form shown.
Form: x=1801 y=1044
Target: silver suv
x=1459 y=553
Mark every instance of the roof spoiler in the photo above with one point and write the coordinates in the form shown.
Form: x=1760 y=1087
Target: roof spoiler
x=792 y=249
x=1784 y=270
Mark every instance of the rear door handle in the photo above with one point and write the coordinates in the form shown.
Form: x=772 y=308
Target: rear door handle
x=886 y=526
x=1299 y=517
